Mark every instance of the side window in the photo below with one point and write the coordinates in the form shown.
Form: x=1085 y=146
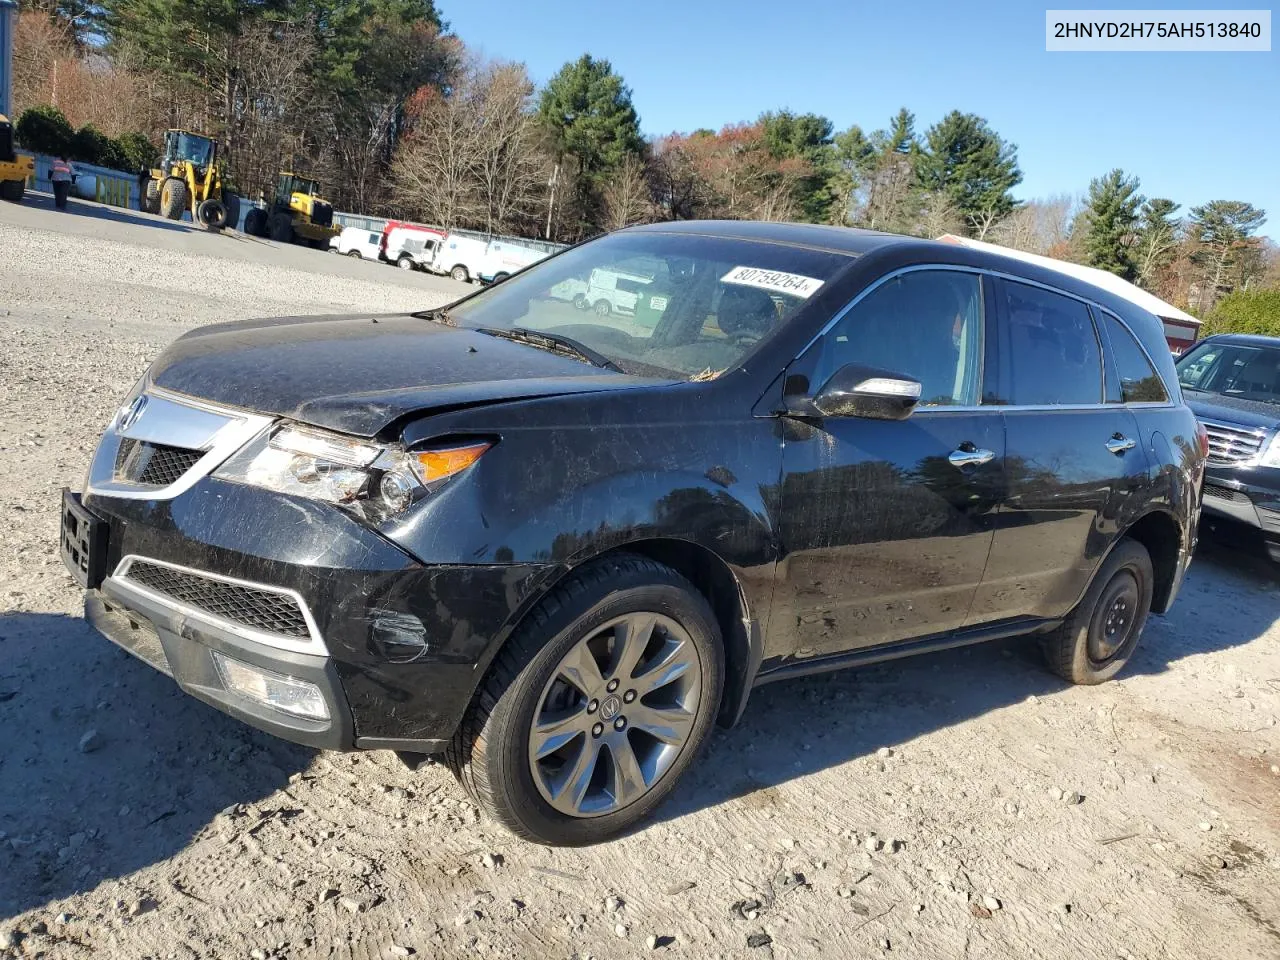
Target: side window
x=926 y=324
x=1053 y=349
x=1139 y=383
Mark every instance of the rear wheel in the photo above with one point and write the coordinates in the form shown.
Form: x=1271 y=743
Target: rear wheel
x=603 y=308
x=13 y=190
x=460 y=274
x=353 y=253
x=173 y=199
x=596 y=706
x=405 y=262
x=1099 y=636
x=280 y=226
x=232 y=202
x=152 y=202
x=255 y=222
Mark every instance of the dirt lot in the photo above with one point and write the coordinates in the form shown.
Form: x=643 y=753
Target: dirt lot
x=960 y=805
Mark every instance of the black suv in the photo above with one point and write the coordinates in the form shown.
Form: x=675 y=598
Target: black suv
x=1232 y=383
x=558 y=529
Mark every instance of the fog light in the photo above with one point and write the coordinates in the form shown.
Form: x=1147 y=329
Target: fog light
x=295 y=697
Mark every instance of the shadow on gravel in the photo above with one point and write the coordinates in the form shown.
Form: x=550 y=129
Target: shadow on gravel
x=98 y=211
x=106 y=767
x=797 y=727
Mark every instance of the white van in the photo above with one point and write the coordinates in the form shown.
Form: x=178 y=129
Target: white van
x=409 y=245
x=462 y=257
x=505 y=257
x=357 y=242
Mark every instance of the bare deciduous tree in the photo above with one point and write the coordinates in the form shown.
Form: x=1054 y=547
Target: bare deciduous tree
x=938 y=215
x=627 y=196
x=475 y=158
x=1037 y=226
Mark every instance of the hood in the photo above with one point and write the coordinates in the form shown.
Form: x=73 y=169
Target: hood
x=1246 y=413
x=359 y=374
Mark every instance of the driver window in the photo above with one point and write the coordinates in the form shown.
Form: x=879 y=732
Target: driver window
x=925 y=324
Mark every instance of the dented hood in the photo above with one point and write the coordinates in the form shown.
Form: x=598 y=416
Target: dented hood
x=359 y=374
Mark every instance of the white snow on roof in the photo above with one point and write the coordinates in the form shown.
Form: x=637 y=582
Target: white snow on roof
x=1099 y=278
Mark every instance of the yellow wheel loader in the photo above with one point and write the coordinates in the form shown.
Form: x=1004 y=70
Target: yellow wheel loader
x=189 y=180
x=15 y=169
x=296 y=214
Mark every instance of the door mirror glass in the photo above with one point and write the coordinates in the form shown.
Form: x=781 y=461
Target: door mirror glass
x=860 y=391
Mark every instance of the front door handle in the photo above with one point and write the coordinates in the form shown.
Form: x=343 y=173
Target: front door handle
x=970 y=456
x=1119 y=443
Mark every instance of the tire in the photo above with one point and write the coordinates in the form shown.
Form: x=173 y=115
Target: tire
x=498 y=278
x=280 y=226
x=491 y=753
x=152 y=196
x=1084 y=650
x=255 y=222
x=173 y=199
x=460 y=274
x=603 y=308
x=353 y=253
x=232 y=202
x=211 y=214
x=405 y=262
x=581 y=302
x=13 y=190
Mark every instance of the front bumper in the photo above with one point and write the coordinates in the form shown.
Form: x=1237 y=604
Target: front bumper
x=355 y=588
x=1249 y=496
x=169 y=640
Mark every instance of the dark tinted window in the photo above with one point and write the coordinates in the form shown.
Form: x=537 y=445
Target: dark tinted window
x=926 y=324
x=1139 y=382
x=1233 y=370
x=1054 y=356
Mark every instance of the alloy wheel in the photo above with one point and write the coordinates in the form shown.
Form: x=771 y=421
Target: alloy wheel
x=617 y=712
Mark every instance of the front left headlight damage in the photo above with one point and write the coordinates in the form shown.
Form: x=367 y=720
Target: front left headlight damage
x=374 y=481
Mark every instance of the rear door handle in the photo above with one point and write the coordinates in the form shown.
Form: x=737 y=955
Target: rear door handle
x=1119 y=443
x=970 y=456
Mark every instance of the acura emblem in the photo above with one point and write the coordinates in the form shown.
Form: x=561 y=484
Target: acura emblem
x=130 y=415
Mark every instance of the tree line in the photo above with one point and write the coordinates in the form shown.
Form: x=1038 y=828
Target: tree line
x=379 y=100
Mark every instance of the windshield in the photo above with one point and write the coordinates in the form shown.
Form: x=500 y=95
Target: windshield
x=658 y=303
x=1233 y=370
x=193 y=148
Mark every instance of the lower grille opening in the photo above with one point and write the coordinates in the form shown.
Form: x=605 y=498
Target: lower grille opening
x=261 y=609
x=153 y=464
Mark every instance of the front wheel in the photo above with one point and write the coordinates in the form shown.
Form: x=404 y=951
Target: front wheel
x=1100 y=634
x=596 y=706
x=405 y=262
x=602 y=308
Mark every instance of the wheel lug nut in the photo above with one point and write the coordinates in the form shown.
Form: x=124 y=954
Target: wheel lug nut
x=597 y=730
x=593 y=706
x=628 y=696
x=612 y=686
x=620 y=723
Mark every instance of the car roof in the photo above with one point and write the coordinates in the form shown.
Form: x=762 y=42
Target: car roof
x=849 y=240
x=1246 y=339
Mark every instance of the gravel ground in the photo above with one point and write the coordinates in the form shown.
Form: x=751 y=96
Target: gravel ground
x=965 y=804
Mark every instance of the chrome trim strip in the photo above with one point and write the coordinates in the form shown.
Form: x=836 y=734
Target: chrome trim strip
x=237 y=429
x=316 y=645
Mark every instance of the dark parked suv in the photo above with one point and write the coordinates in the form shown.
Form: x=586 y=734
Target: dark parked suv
x=1232 y=383
x=556 y=545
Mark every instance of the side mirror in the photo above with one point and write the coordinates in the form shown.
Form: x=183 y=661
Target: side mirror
x=858 y=391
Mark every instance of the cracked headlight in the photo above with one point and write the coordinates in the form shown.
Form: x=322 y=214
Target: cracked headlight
x=372 y=480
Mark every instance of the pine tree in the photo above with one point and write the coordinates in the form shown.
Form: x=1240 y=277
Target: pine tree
x=587 y=110
x=965 y=159
x=1110 y=222
x=805 y=141
x=1157 y=239
x=1223 y=231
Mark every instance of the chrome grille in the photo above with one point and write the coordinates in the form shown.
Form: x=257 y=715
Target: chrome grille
x=1231 y=444
x=260 y=609
x=153 y=464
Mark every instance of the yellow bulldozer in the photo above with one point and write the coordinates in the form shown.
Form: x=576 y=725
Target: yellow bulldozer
x=297 y=213
x=189 y=179
x=15 y=168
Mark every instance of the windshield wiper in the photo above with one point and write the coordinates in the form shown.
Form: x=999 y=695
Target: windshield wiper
x=555 y=342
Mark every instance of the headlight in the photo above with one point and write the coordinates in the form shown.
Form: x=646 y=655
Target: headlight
x=1271 y=456
x=372 y=480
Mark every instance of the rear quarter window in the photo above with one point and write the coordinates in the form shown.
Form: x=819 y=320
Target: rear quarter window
x=1139 y=382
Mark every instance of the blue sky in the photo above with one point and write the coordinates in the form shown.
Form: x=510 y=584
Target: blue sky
x=1193 y=126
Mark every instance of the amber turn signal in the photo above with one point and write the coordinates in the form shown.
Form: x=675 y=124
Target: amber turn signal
x=433 y=465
